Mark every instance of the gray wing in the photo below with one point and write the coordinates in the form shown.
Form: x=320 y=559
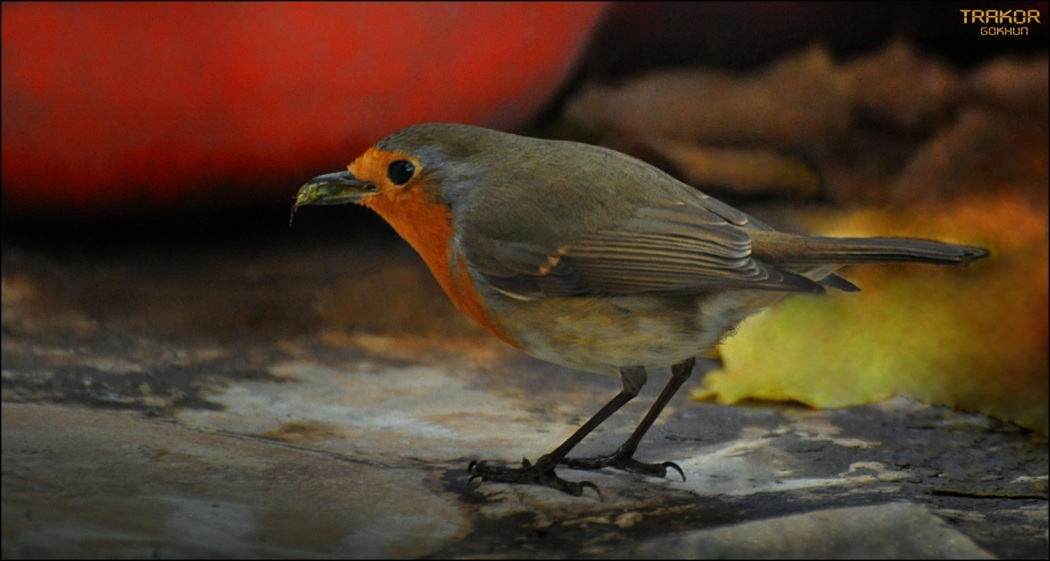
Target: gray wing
x=680 y=249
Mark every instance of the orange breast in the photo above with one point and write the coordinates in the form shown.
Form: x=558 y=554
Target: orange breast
x=427 y=226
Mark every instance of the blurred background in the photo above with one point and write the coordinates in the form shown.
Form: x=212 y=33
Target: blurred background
x=150 y=156
x=211 y=116
x=145 y=131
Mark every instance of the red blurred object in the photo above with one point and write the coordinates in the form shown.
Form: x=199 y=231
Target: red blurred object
x=124 y=106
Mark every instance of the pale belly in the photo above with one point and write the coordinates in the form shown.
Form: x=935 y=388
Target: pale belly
x=606 y=334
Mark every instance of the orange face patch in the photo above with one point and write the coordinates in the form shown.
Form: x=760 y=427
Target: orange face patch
x=417 y=213
x=374 y=167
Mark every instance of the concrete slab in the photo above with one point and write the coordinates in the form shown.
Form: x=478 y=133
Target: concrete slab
x=230 y=403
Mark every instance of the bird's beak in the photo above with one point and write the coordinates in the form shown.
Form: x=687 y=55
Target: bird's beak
x=337 y=188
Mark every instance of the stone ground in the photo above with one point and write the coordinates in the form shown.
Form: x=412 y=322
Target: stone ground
x=319 y=397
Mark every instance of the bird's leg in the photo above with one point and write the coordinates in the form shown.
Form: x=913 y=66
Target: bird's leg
x=542 y=472
x=623 y=457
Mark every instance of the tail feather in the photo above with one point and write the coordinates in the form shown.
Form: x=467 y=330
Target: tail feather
x=788 y=249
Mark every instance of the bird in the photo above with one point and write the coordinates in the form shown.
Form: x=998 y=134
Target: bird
x=591 y=259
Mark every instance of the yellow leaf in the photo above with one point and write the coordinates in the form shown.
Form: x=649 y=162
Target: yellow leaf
x=974 y=339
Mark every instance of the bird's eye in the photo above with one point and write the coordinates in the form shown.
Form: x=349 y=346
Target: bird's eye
x=400 y=171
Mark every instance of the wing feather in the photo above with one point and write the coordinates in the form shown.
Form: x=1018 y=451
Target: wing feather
x=669 y=250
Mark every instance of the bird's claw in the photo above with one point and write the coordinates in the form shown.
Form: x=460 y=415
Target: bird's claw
x=625 y=463
x=676 y=468
x=542 y=473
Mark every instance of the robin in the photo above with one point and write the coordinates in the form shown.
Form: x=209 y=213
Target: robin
x=589 y=258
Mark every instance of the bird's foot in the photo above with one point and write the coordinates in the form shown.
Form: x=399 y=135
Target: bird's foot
x=540 y=473
x=623 y=461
